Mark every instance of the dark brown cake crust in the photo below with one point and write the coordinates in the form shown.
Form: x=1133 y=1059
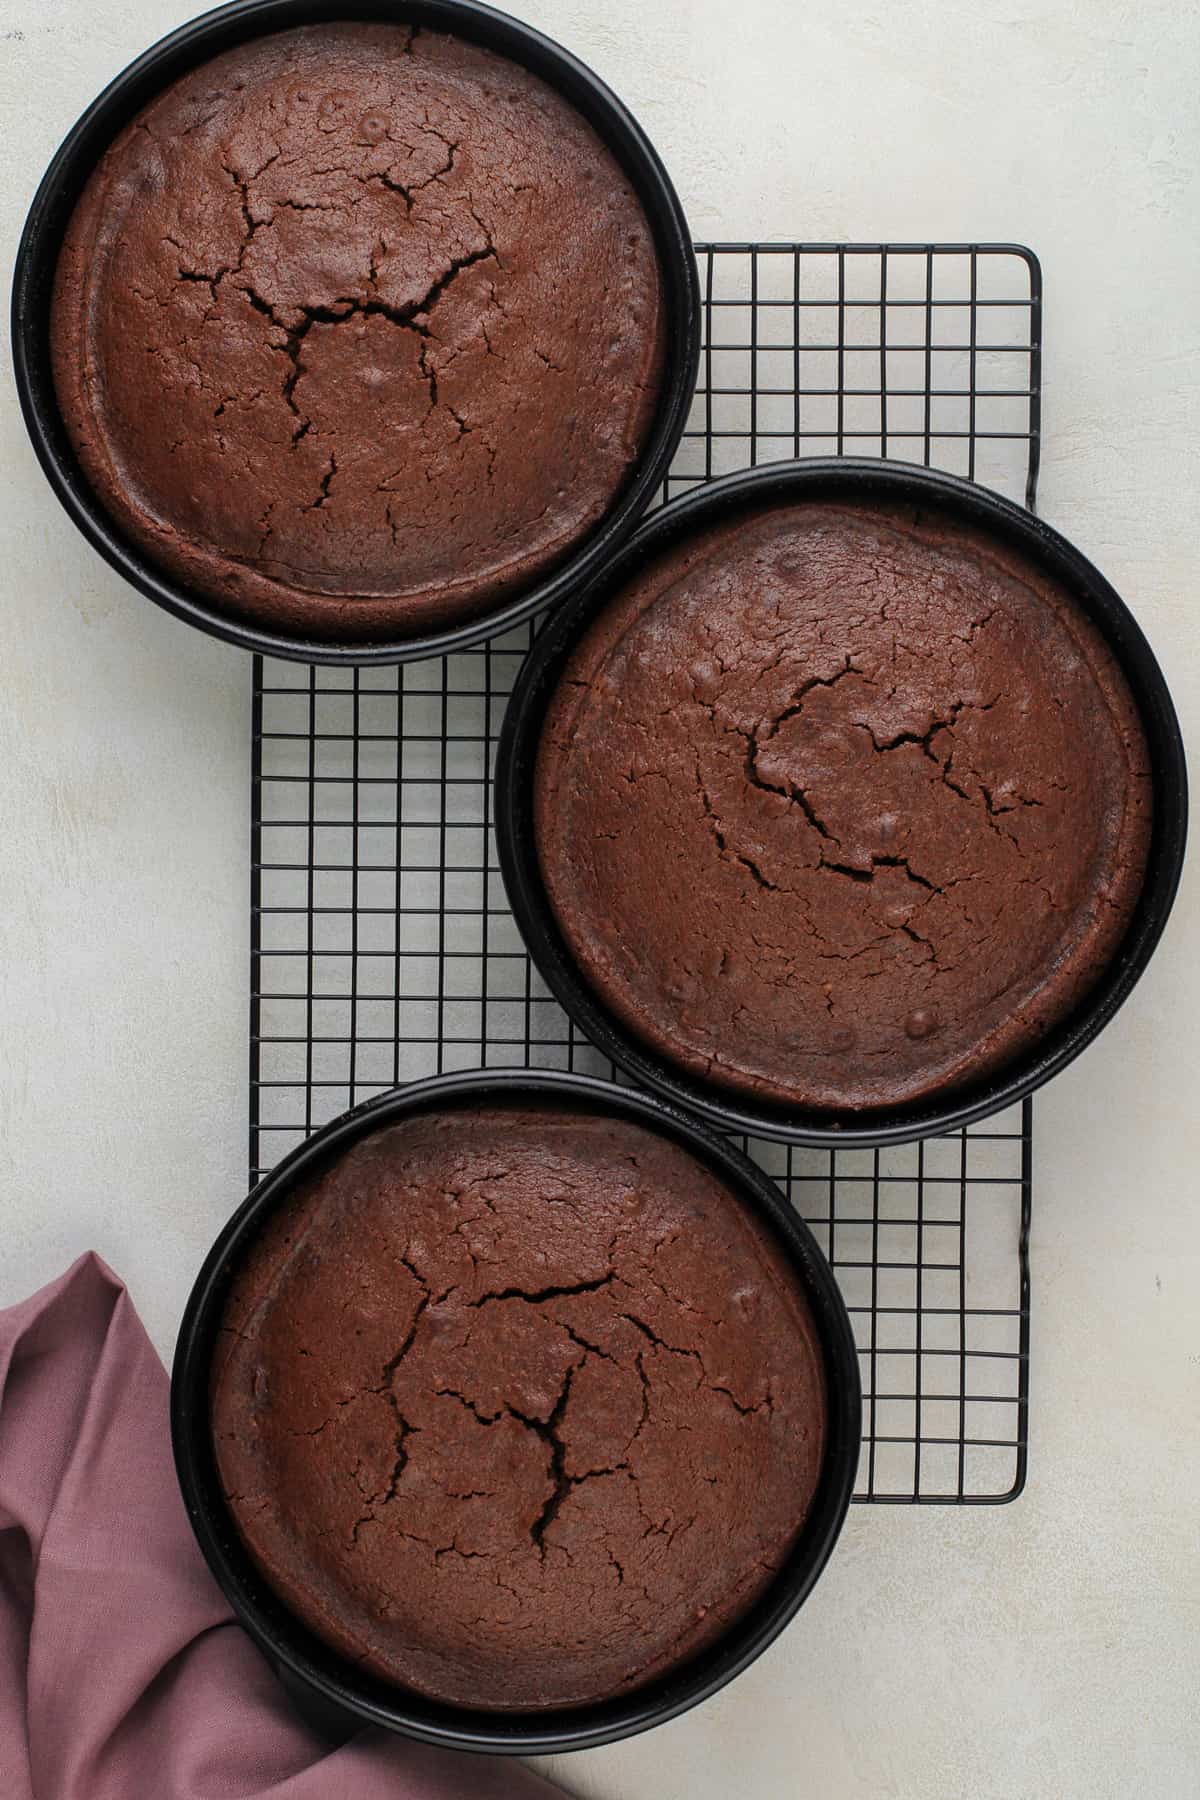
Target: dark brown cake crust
x=357 y=329
x=841 y=806
x=518 y=1407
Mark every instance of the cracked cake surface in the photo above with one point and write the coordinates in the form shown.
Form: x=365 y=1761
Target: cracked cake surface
x=518 y=1406
x=839 y=806
x=357 y=329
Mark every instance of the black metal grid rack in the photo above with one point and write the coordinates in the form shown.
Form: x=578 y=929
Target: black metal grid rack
x=382 y=944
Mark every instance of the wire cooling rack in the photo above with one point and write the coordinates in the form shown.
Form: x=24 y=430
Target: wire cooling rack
x=382 y=944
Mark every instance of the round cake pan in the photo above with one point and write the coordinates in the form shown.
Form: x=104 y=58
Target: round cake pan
x=332 y=1690
x=205 y=37
x=868 y=480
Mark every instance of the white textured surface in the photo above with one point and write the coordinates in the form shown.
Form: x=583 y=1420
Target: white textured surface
x=1051 y=1648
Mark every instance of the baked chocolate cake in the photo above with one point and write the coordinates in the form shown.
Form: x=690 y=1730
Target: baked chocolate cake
x=357 y=330
x=518 y=1406
x=839 y=806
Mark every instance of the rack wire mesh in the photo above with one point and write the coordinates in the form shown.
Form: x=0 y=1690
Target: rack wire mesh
x=382 y=946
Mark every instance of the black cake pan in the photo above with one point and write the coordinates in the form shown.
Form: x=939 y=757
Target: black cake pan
x=205 y=37
x=865 y=480
x=331 y=1689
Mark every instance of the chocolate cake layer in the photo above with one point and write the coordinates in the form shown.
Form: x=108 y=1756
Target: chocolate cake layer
x=518 y=1406
x=841 y=806
x=357 y=330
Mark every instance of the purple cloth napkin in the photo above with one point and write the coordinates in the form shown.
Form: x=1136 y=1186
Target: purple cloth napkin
x=122 y=1672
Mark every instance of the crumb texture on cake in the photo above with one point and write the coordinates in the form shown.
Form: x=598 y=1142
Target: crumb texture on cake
x=357 y=328
x=518 y=1406
x=839 y=806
